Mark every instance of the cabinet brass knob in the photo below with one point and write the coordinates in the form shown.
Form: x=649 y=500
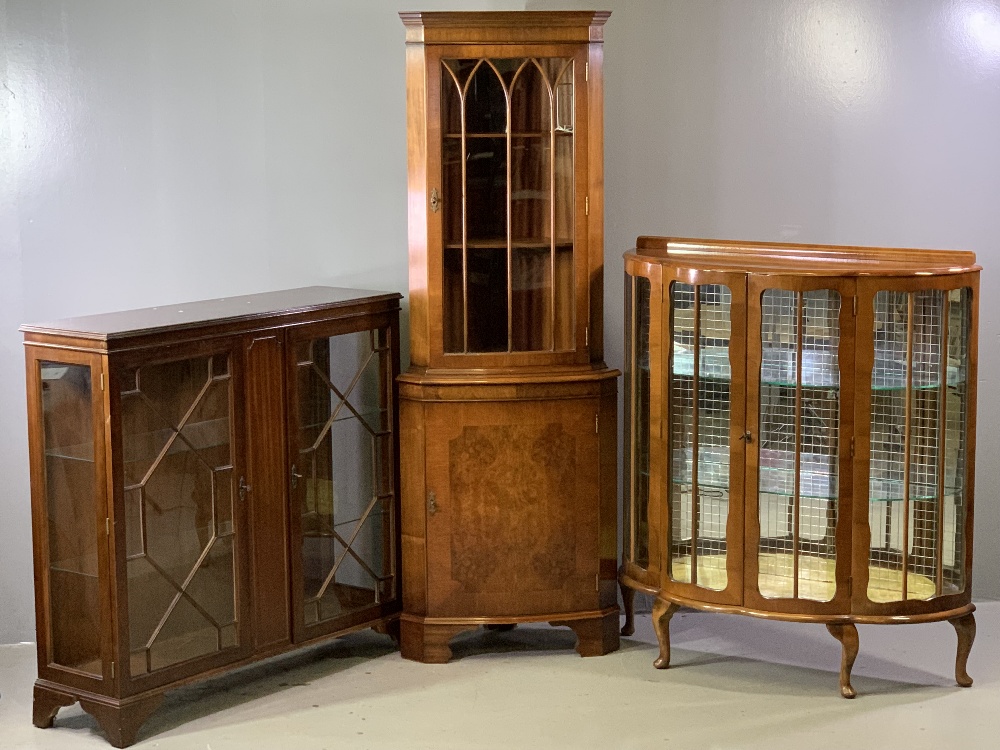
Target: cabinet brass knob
x=432 y=506
x=435 y=200
x=747 y=437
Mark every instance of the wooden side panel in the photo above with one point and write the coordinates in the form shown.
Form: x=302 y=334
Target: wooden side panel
x=413 y=492
x=607 y=524
x=267 y=499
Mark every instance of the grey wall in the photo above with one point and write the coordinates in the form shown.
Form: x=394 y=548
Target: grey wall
x=155 y=152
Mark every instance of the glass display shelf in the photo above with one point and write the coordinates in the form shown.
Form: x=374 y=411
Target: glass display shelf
x=817 y=477
x=778 y=368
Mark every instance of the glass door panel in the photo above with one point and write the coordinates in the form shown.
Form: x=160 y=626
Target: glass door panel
x=177 y=427
x=798 y=444
x=508 y=224
x=343 y=474
x=71 y=501
x=916 y=506
x=700 y=411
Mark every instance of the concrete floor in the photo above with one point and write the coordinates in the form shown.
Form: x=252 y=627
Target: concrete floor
x=735 y=683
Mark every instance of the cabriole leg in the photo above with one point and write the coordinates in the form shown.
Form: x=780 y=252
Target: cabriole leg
x=662 y=612
x=965 y=626
x=847 y=634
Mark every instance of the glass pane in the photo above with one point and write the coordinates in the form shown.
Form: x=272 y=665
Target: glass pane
x=917 y=508
x=531 y=299
x=345 y=475
x=453 y=301
x=637 y=421
x=530 y=102
x=699 y=395
x=453 y=76
x=487 y=300
x=530 y=177
x=486 y=191
x=451 y=191
x=177 y=440
x=799 y=443
x=70 y=493
x=485 y=102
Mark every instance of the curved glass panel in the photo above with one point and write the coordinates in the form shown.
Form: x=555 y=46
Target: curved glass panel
x=798 y=444
x=917 y=502
x=699 y=433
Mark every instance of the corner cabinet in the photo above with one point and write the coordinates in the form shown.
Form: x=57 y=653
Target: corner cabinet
x=508 y=412
x=800 y=435
x=212 y=484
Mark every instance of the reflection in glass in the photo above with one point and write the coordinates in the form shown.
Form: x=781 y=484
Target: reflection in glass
x=917 y=454
x=699 y=435
x=178 y=487
x=70 y=493
x=798 y=445
x=508 y=178
x=345 y=479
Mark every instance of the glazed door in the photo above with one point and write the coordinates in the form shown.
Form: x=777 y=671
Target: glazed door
x=508 y=200
x=915 y=467
x=180 y=489
x=68 y=483
x=343 y=480
x=700 y=458
x=800 y=351
x=512 y=528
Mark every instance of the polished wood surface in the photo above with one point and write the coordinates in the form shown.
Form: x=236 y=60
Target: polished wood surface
x=180 y=537
x=864 y=560
x=508 y=413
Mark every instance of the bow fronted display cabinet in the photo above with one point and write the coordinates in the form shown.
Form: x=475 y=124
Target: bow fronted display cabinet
x=212 y=484
x=508 y=413
x=800 y=435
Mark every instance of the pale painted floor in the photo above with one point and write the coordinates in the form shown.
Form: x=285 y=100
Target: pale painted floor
x=735 y=683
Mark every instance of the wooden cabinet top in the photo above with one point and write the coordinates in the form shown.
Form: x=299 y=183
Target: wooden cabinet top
x=214 y=316
x=498 y=27
x=799 y=259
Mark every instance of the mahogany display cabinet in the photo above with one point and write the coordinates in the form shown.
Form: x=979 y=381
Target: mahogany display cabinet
x=800 y=435
x=212 y=484
x=508 y=413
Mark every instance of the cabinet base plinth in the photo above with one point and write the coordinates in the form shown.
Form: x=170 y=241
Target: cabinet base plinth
x=427 y=639
x=119 y=720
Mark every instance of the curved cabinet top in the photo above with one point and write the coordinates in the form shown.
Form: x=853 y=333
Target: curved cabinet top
x=798 y=259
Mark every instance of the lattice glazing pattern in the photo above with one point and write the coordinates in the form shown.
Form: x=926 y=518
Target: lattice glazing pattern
x=699 y=394
x=344 y=473
x=178 y=489
x=917 y=465
x=798 y=443
x=508 y=198
x=637 y=421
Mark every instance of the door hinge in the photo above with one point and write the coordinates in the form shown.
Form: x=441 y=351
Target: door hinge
x=586 y=71
x=597 y=423
x=597 y=581
x=586 y=205
x=112 y=670
x=107 y=525
x=586 y=336
x=855 y=306
x=102 y=381
x=852 y=447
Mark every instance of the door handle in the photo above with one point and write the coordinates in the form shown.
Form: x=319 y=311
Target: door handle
x=295 y=477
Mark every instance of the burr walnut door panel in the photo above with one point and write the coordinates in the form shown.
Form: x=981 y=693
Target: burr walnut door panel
x=510 y=529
